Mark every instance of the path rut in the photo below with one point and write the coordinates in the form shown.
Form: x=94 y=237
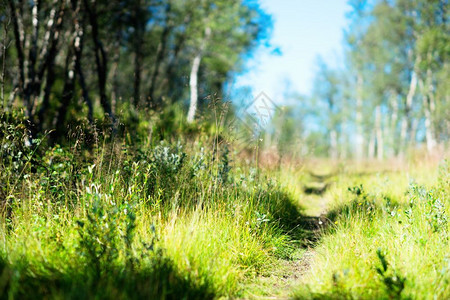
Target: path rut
x=289 y=273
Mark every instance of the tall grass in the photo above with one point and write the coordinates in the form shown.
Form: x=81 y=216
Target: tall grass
x=177 y=215
x=115 y=219
x=389 y=238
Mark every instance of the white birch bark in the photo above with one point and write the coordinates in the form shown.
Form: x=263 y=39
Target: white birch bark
x=379 y=133
x=406 y=117
x=193 y=85
x=413 y=132
x=371 y=146
x=429 y=111
x=394 y=117
x=344 y=142
x=391 y=126
x=333 y=144
x=359 y=140
x=193 y=79
x=429 y=131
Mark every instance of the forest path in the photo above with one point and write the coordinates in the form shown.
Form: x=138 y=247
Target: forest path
x=286 y=274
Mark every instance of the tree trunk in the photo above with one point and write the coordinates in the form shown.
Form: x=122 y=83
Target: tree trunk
x=137 y=41
x=413 y=133
x=4 y=54
x=18 y=34
x=100 y=58
x=359 y=140
x=379 y=133
x=47 y=57
x=49 y=47
x=32 y=87
x=30 y=72
x=429 y=111
x=137 y=79
x=406 y=121
x=429 y=130
x=67 y=94
x=49 y=81
x=70 y=71
x=193 y=80
x=333 y=144
x=393 y=124
x=170 y=80
x=114 y=71
x=371 y=146
x=78 y=48
x=390 y=125
x=344 y=142
x=159 y=57
x=194 y=88
x=426 y=87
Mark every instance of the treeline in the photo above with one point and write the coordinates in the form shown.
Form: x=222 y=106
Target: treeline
x=394 y=92
x=69 y=59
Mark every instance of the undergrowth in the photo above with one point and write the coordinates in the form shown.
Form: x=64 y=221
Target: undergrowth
x=180 y=216
x=116 y=219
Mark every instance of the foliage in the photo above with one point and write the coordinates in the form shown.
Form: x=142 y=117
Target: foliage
x=391 y=87
x=58 y=84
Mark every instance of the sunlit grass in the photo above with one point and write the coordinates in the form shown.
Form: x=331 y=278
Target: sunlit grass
x=405 y=216
x=171 y=220
x=182 y=216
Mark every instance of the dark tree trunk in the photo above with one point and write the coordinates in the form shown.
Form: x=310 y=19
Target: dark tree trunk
x=19 y=46
x=32 y=86
x=78 y=48
x=32 y=66
x=152 y=103
x=137 y=79
x=100 y=58
x=67 y=94
x=139 y=26
x=70 y=71
x=49 y=81
x=170 y=80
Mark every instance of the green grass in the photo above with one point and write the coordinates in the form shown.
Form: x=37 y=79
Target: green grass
x=399 y=219
x=117 y=218
x=156 y=221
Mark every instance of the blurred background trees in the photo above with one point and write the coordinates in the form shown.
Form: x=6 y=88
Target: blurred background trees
x=70 y=61
x=392 y=93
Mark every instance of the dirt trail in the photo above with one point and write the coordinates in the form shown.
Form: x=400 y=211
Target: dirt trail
x=289 y=272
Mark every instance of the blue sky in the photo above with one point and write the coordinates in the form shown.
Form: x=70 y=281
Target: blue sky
x=303 y=29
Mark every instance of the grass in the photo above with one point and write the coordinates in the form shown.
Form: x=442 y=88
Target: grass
x=187 y=219
x=389 y=238
x=163 y=220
